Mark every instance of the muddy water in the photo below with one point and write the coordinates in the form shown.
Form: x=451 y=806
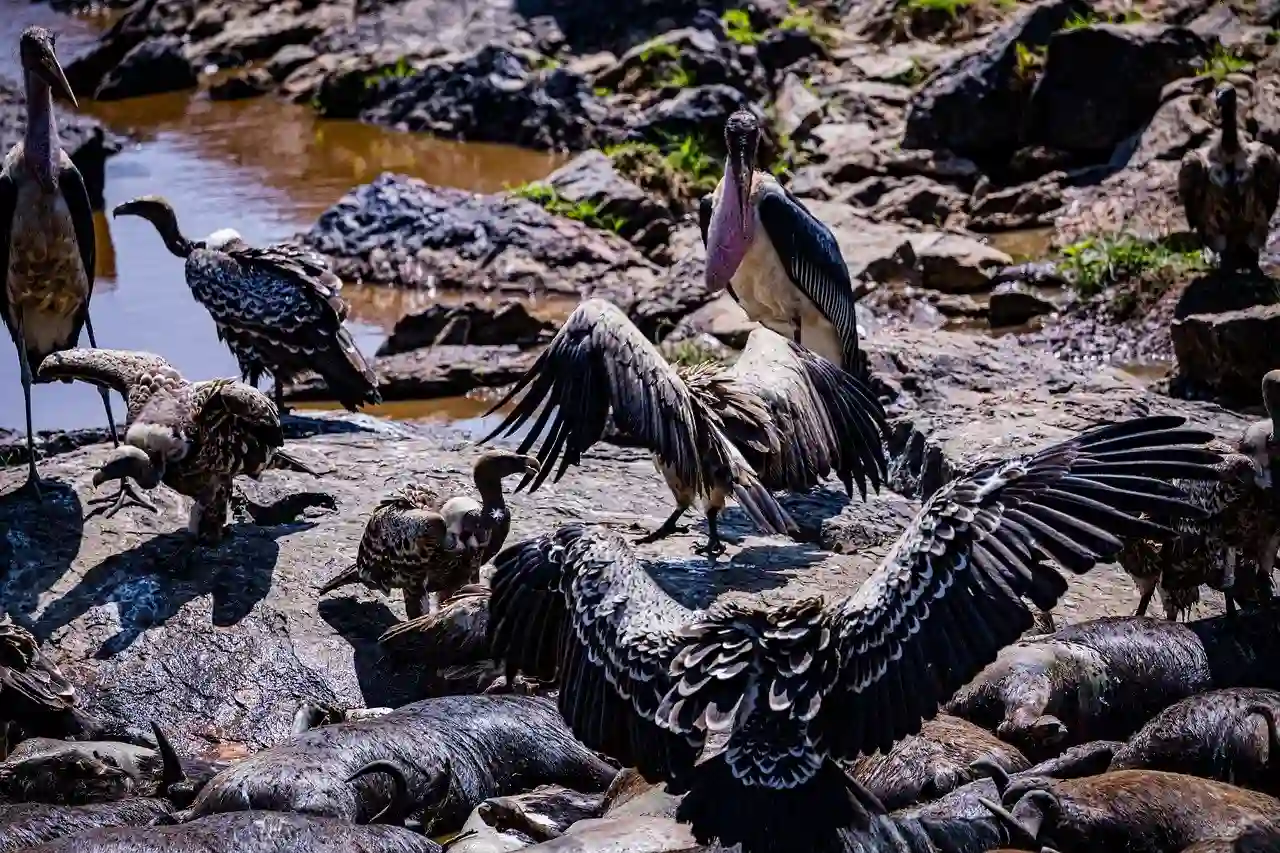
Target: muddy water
x=263 y=167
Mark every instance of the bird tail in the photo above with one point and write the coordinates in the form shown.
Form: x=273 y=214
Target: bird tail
x=346 y=577
x=347 y=373
x=858 y=420
x=106 y=368
x=814 y=816
x=283 y=460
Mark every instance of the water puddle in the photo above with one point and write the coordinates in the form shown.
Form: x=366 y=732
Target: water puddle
x=1028 y=244
x=262 y=166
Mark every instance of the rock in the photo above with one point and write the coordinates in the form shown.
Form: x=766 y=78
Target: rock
x=1183 y=121
x=954 y=263
x=288 y=59
x=473 y=323
x=782 y=48
x=681 y=291
x=1102 y=83
x=975 y=106
x=1014 y=303
x=1227 y=354
x=84 y=138
x=700 y=57
x=701 y=112
x=918 y=198
x=723 y=319
x=591 y=178
x=247 y=84
x=446 y=370
x=403 y=231
x=797 y=109
x=495 y=94
x=1015 y=208
x=154 y=66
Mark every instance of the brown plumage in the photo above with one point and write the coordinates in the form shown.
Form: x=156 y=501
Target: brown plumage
x=31 y=685
x=420 y=542
x=455 y=634
x=1229 y=190
x=195 y=437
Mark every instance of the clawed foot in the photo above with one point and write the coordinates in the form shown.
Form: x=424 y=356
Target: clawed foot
x=662 y=533
x=714 y=548
x=520 y=686
x=126 y=496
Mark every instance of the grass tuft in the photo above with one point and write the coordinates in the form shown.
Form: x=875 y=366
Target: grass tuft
x=587 y=212
x=1222 y=63
x=1096 y=263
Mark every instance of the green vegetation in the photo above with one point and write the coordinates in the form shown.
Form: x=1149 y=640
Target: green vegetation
x=586 y=212
x=676 y=77
x=603 y=91
x=953 y=8
x=1221 y=63
x=1096 y=263
x=737 y=26
x=400 y=70
x=1088 y=19
x=658 y=50
x=1028 y=62
x=690 y=353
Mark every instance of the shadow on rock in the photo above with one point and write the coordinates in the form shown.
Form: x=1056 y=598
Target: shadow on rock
x=40 y=543
x=386 y=681
x=810 y=509
x=697 y=582
x=149 y=585
x=1217 y=291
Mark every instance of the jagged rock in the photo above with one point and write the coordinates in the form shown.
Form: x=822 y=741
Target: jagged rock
x=1102 y=83
x=723 y=319
x=918 y=198
x=154 y=66
x=471 y=323
x=700 y=111
x=247 y=84
x=288 y=59
x=591 y=178
x=704 y=58
x=430 y=373
x=1013 y=303
x=797 y=109
x=1024 y=206
x=1227 y=354
x=403 y=231
x=976 y=105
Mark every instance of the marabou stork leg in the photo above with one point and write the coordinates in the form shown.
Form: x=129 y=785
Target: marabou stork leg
x=714 y=546
x=668 y=528
x=33 y=479
x=106 y=395
x=795 y=329
x=127 y=495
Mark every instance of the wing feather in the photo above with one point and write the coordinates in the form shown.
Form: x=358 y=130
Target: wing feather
x=1193 y=182
x=8 y=204
x=811 y=256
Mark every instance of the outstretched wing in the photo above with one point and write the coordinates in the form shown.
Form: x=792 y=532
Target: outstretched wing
x=597 y=363
x=828 y=418
x=27 y=678
x=119 y=370
x=950 y=595
x=577 y=604
x=811 y=256
x=1193 y=183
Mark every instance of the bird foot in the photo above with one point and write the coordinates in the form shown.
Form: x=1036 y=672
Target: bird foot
x=714 y=548
x=662 y=533
x=126 y=496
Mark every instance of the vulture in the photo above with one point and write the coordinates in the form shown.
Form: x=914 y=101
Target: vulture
x=1232 y=549
x=777 y=260
x=799 y=688
x=46 y=233
x=781 y=417
x=195 y=437
x=1229 y=190
x=31 y=685
x=419 y=542
x=277 y=308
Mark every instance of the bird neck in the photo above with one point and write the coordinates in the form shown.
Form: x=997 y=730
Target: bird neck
x=40 y=143
x=490 y=489
x=172 y=235
x=1230 y=132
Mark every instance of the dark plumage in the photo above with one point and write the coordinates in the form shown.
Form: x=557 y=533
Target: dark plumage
x=46 y=232
x=780 y=418
x=781 y=264
x=195 y=437
x=277 y=308
x=419 y=542
x=31 y=685
x=804 y=685
x=1229 y=190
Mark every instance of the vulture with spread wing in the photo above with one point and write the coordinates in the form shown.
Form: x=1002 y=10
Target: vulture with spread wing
x=802 y=686
x=780 y=418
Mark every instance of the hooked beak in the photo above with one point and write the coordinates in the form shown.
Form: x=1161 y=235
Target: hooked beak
x=50 y=71
x=531 y=465
x=126 y=462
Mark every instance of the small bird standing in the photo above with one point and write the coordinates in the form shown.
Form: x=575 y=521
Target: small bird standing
x=278 y=308
x=1229 y=190
x=420 y=543
x=195 y=437
x=779 y=262
x=46 y=233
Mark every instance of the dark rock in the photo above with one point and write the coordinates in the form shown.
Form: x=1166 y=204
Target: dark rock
x=472 y=323
x=919 y=198
x=154 y=66
x=592 y=179
x=699 y=112
x=780 y=49
x=402 y=231
x=247 y=84
x=1227 y=354
x=797 y=109
x=446 y=370
x=86 y=72
x=288 y=59
x=976 y=105
x=681 y=290
x=1014 y=303
x=1102 y=83
x=1025 y=206
x=495 y=94
x=701 y=57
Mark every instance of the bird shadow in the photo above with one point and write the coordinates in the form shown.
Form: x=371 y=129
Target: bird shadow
x=150 y=584
x=41 y=541
x=386 y=680
x=697 y=583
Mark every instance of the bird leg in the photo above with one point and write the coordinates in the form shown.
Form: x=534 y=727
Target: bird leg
x=668 y=528
x=277 y=392
x=795 y=329
x=417 y=601
x=106 y=395
x=126 y=496
x=714 y=546
x=33 y=479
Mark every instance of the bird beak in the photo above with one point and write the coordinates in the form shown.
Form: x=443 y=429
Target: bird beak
x=126 y=462
x=50 y=70
x=740 y=168
x=531 y=465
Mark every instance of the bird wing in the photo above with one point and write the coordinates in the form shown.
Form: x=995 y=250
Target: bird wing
x=308 y=271
x=950 y=594
x=576 y=604
x=76 y=196
x=1266 y=170
x=8 y=204
x=811 y=256
x=25 y=672
x=229 y=408
x=119 y=370
x=829 y=419
x=1193 y=179
x=599 y=362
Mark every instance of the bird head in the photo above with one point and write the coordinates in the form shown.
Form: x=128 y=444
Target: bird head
x=36 y=46
x=732 y=220
x=741 y=139
x=157 y=210
x=1260 y=442
x=129 y=461
x=463 y=524
x=1224 y=97
x=492 y=467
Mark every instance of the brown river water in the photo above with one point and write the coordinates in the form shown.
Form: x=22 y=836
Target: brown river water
x=262 y=166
